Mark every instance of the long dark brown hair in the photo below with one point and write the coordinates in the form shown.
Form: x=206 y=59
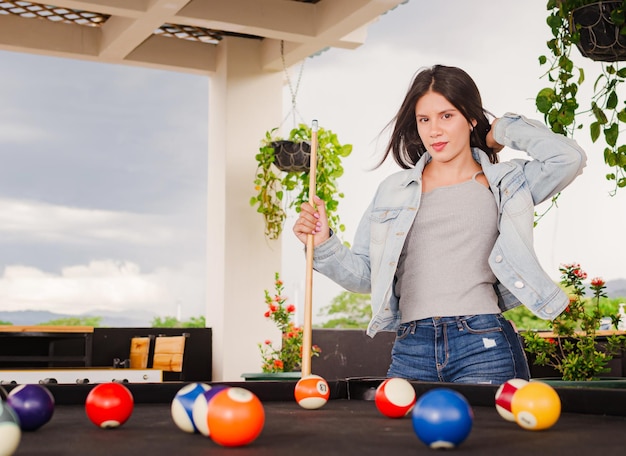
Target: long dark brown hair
x=458 y=88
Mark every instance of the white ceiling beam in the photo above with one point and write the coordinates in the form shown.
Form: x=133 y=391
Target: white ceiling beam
x=173 y=54
x=120 y=36
x=46 y=37
x=126 y=8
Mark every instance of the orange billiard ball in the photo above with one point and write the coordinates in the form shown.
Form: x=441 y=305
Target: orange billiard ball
x=311 y=392
x=235 y=417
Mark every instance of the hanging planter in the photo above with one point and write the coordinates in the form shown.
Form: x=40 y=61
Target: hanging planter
x=599 y=25
x=276 y=192
x=598 y=29
x=290 y=156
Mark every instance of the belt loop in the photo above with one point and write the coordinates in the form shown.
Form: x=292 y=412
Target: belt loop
x=459 y=324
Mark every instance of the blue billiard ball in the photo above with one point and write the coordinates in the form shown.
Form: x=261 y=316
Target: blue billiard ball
x=442 y=418
x=182 y=406
x=33 y=404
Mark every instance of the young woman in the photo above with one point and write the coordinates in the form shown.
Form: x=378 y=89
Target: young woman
x=446 y=245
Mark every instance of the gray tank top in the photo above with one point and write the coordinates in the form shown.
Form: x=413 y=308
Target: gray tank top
x=443 y=268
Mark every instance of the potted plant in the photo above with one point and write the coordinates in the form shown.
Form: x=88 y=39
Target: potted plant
x=571 y=23
x=278 y=190
x=572 y=347
x=284 y=358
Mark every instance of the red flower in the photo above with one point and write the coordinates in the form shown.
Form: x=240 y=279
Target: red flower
x=597 y=282
x=273 y=308
x=278 y=363
x=291 y=308
x=267 y=314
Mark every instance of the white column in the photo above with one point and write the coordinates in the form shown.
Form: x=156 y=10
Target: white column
x=244 y=102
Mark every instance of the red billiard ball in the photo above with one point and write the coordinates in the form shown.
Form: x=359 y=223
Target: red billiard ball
x=311 y=392
x=109 y=405
x=504 y=396
x=235 y=417
x=10 y=432
x=33 y=404
x=395 y=397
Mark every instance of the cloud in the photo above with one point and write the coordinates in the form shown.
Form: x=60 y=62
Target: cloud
x=18 y=133
x=43 y=222
x=104 y=284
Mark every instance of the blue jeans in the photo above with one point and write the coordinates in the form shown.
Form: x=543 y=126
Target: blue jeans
x=466 y=349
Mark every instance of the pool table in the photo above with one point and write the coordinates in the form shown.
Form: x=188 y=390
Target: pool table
x=592 y=422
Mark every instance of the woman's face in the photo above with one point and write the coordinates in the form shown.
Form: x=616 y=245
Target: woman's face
x=442 y=128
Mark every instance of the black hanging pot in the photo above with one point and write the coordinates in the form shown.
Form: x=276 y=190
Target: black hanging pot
x=292 y=156
x=600 y=38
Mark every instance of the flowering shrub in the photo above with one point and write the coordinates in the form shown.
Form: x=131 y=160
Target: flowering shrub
x=288 y=356
x=573 y=350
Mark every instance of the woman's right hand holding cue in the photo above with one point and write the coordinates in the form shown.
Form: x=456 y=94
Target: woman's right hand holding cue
x=312 y=220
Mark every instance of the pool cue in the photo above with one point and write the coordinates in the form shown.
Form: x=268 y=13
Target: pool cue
x=307 y=334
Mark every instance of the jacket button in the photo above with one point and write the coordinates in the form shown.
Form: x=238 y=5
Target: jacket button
x=519 y=284
x=498 y=258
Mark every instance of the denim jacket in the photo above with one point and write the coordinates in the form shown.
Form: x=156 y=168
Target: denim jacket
x=369 y=266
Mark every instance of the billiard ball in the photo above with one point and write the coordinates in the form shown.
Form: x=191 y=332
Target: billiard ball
x=109 y=405
x=200 y=408
x=442 y=418
x=235 y=417
x=536 y=406
x=395 y=397
x=33 y=404
x=10 y=432
x=311 y=392
x=181 y=408
x=504 y=395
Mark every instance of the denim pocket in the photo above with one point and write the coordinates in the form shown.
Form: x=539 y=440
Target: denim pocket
x=482 y=324
x=380 y=222
x=403 y=331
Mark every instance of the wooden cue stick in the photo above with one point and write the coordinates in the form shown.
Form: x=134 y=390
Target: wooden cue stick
x=307 y=334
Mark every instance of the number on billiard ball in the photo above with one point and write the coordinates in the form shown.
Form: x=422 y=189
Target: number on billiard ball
x=311 y=392
x=109 y=405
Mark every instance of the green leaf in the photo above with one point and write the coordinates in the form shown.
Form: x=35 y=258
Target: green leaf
x=595 y=131
x=611 y=102
x=611 y=134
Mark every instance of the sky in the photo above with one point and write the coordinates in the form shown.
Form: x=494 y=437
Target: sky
x=103 y=175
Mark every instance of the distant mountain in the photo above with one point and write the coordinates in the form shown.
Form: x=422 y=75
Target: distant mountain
x=127 y=319
x=616 y=289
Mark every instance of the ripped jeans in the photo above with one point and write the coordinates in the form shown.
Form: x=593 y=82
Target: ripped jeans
x=465 y=349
